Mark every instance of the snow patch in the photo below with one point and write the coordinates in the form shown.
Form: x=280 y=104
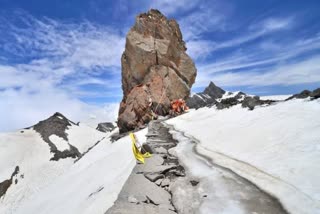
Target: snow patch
x=280 y=141
x=59 y=142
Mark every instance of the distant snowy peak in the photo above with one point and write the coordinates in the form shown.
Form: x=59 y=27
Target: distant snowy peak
x=214 y=91
x=215 y=96
x=53 y=131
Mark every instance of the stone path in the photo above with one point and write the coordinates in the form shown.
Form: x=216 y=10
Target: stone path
x=163 y=186
x=146 y=190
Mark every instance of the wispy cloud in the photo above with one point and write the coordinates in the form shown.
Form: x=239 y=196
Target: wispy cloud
x=169 y=7
x=199 y=48
x=47 y=64
x=305 y=71
x=262 y=56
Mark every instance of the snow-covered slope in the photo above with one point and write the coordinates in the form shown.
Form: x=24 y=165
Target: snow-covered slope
x=87 y=181
x=275 y=147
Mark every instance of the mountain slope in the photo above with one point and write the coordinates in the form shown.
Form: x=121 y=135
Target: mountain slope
x=47 y=168
x=275 y=147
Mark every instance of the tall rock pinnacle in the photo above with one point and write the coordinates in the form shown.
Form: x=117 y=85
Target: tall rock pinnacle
x=155 y=69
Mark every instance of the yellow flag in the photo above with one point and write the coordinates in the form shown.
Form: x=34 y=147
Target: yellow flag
x=137 y=154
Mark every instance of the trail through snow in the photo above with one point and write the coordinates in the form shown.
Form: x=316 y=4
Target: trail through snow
x=220 y=190
x=276 y=147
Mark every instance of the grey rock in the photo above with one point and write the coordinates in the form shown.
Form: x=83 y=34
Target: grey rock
x=153 y=176
x=165 y=182
x=105 y=127
x=214 y=91
x=315 y=94
x=57 y=124
x=206 y=98
x=5 y=185
x=227 y=103
x=158 y=182
x=160 y=150
x=251 y=102
x=302 y=95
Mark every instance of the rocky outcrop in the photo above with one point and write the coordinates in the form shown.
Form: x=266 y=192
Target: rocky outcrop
x=155 y=70
x=57 y=125
x=4 y=185
x=215 y=96
x=105 y=127
x=214 y=91
x=206 y=98
x=252 y=102
x=315 y=94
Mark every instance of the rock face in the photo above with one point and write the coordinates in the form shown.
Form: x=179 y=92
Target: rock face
x=105 y=127
x=206 y=98
x=215 y=96
x=315 y=94
x=57 y=125
x=155 y=69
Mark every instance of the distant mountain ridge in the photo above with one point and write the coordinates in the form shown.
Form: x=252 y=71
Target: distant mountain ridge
x=219 y=98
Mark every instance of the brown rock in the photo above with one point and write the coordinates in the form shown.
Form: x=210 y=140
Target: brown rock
x=155 y=69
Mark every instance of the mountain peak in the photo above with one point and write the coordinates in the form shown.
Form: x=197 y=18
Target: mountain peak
x=57 y=125
x=214 y=91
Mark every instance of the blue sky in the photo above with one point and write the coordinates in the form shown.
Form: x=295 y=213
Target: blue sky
x=64 y=55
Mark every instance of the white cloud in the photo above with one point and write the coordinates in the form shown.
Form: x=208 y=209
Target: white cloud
x=261 y=56
x=304 y=71
x=272 y=24
x=63 y=57
x=201 y=48
x=204 y=19
x=23 y=108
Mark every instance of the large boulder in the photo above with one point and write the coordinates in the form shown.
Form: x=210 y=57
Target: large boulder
x=155 y=69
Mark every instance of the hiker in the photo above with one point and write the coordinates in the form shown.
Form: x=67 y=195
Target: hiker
x=178 y=106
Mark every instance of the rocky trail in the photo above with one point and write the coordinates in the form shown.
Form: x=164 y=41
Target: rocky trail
x=190 y=184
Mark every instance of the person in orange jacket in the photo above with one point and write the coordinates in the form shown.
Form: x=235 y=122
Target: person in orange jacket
x=179 y=106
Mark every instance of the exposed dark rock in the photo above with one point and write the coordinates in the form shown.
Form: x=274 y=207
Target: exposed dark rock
x=4 y=185
x=315 y=94
x=227 y=103
x=155 y=70
x=214 y=91
x=252 y=102
x=206 y=98
x=303 y=94
x=194 y=183
x=212 y=96
x=200 y=100
x=105 y=127
x=57 y=124
x=240 y=95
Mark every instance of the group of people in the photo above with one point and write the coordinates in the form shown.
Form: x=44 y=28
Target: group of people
x=178 y=107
